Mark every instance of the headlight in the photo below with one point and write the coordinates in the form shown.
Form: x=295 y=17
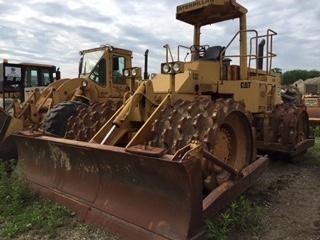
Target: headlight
x=126 y=73
x=166 y=68
x=134 y=72
x=176 y=67
x=84 y=84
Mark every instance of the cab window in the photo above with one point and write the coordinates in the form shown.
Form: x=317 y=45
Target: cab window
x=31 y=79
x=34 y=78
x=98 y=74
x=90 y=60
x=45 y=77
x=118 y=64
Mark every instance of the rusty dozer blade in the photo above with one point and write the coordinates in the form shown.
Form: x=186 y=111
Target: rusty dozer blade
x=131 y=195
x=8 y=124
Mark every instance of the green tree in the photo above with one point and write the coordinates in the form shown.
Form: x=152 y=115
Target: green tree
x=291 y=76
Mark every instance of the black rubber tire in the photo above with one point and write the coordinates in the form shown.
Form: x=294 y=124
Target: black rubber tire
x=55 y=121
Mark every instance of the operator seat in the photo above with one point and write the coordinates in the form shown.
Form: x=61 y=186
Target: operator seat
x=213 y=53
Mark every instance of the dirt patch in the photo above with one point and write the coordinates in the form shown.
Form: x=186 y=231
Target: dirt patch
x=290 y=194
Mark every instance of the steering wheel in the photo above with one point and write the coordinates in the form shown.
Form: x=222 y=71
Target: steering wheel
x=201 y=49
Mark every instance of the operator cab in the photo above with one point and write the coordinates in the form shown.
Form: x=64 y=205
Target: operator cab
x=104 y=65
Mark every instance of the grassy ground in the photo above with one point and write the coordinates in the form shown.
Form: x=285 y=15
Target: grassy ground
x=313 y=154
x=241 y=216
x=24 y=216
x=21 y=211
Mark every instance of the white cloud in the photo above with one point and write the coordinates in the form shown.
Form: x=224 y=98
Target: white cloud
x=51 y=32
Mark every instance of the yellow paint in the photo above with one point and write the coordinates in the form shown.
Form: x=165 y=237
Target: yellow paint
x=60 y=157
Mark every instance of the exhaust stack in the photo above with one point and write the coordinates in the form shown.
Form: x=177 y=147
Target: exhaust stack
x=260 y=54
x=145 y=74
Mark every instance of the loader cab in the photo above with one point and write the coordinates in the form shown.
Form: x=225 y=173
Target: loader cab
x=38 y=76
x=104 y=65
x=19 y=80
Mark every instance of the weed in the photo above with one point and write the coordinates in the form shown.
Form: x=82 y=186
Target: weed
x=242 y=215
x=316 y=131
x=219 y=227
x=248 y=215
x=313 y=154
x=21 y=211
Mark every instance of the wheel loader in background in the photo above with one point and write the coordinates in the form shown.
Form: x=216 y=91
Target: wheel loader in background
x=100 y=82
x=182 y=146
x=18 y=80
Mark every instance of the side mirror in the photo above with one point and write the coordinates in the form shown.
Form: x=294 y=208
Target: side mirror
x=58 y=74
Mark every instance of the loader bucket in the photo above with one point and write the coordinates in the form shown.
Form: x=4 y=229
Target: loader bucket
x=8 y=125
x=4 y=123
x=133 y=196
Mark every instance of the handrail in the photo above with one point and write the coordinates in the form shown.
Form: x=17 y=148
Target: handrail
x=168 y=51
x=228 y=45
x=181 y=46
x=269 y=53
x=270 y=34
x=253 y=44
x=251 y=56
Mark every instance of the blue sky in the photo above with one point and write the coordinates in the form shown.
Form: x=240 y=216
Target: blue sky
x=48 y=31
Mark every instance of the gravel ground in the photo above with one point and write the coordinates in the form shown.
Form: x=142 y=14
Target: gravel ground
x=290 y=194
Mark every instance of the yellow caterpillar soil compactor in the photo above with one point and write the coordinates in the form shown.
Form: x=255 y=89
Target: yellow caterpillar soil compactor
x=100 y=83
x=181 y=147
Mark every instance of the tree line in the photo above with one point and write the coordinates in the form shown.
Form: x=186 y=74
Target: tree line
x=291 y=76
